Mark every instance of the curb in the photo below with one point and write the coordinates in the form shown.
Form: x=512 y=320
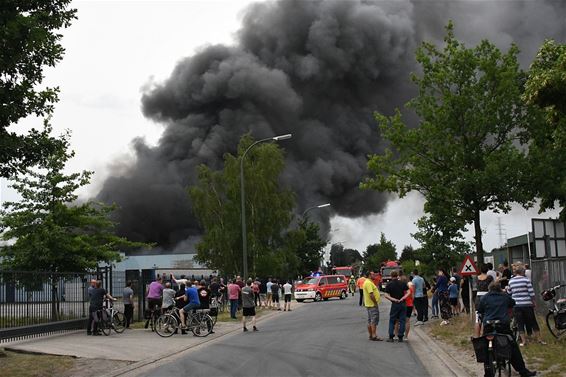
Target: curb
x=444 y=364
x=168 y=357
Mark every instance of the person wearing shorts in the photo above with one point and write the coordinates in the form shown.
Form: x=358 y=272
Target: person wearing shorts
x=371 y=303
x=248 y=305
x=275 y=294
x=287 y=290
x=193 y=302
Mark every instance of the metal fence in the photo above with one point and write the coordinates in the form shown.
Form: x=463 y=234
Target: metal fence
x=547 y=273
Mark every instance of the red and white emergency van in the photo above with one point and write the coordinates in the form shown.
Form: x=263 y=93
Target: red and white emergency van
x=322 y=287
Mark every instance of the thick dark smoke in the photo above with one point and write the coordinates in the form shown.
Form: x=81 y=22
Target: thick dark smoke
x=316 y=69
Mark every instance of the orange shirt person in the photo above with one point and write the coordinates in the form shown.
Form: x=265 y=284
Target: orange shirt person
x=360 y=283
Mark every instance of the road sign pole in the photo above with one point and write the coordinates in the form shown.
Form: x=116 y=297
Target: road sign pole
x=470 y=294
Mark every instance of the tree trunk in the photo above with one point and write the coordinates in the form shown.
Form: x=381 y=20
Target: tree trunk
x=477 y=236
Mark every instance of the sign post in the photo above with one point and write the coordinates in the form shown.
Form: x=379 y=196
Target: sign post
x=469 y=269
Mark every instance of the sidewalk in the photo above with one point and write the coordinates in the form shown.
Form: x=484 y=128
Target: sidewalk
x=138 y=347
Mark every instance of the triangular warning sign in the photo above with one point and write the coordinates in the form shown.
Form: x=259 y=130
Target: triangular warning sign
x=468 y=267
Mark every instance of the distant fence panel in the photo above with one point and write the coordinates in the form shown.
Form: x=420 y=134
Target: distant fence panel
x=547 y=273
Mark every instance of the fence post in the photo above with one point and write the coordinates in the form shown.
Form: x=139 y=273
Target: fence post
x=141 y=294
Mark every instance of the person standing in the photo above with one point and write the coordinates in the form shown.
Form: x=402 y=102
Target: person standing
x=372 y=299
x=521 y=290
x=453 y=294
x=248 y=305
x=360 y=284
x=91 y=287
x=204 y=295
x=128 y=297
x=528 y=272
x=288 y=292
x=482 y=285
x=275 y=287
x=256 y=286
x=233 y=294
x=268 y=293
x=98 y=294
x=421 y=301
x=465 y=293
x=409 y=302
x=397 y=292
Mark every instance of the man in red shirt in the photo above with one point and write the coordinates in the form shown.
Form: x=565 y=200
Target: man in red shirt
x=233 y=294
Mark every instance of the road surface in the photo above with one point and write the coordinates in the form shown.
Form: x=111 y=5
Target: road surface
x=317 y=339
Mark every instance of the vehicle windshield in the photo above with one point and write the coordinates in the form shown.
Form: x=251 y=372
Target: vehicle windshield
x=345 y=272
x=310 y=281
x=387 y=270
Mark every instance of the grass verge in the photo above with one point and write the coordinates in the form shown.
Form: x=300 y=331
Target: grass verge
x=547 y=359
x=16 y=364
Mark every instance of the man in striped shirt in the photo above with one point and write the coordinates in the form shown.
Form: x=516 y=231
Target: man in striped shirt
x=521 y=290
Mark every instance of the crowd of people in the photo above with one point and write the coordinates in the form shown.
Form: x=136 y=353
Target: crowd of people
x=498 y=296
x=189 y=294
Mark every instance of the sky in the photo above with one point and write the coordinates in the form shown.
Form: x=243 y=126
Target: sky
x=117 y=49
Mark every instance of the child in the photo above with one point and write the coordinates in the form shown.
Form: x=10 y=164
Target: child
x=453 y=295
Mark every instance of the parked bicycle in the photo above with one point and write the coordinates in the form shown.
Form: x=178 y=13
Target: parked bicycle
x=218 y=302
x=556 y=316
x=108 y=319
x=199 y=323
x=117 y=319
x=494 y=350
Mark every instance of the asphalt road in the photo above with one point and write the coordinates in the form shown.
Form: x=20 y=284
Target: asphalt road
x=317 y=339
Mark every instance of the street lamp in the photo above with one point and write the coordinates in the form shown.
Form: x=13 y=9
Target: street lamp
x=243 y=196
x=319 y=206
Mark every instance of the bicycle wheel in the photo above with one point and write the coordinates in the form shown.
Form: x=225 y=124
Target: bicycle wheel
x=105 y=324
x=166 y=325
x=201 y=326
x=119 y=322
x=551 y=324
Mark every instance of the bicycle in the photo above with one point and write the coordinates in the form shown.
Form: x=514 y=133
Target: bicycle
x=151 y=316
x=556 y=316
x=199 y=323
x=116 y=318
x=218 y=302
x=494 y=350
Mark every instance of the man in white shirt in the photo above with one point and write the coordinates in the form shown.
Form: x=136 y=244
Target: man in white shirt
x=269 y=294
x=287 y=291
x=491 y=272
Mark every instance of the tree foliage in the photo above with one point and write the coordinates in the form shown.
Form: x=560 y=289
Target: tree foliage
x=306 y=243
x=29 y=42
x=462 y=156
x=216 y=204
x=546 y=89
x=48 y=231
x=342 y=257
x=380 y=252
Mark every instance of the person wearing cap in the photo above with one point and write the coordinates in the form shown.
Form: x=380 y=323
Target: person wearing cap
x=453 y=295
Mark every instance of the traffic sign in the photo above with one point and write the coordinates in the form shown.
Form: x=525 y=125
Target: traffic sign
x=468 y=267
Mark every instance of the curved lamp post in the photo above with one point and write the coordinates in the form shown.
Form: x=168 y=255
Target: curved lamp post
x=243 y=198
x=313 y=207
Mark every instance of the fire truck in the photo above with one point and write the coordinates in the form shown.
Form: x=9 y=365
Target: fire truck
x=346 y=271
x=386 y=271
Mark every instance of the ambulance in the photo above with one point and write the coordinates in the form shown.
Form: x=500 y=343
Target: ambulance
x=322 y=287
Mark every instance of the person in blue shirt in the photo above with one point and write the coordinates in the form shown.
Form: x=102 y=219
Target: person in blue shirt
x=193 y=302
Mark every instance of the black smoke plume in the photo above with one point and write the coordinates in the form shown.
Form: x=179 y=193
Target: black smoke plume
x=316 y=69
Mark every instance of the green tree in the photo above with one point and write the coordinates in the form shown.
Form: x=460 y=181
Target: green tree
x=48 y=231
x=307 y=245
x=29 y=42
x=546 y=88
x=442 y=242
x=342 y=257
x=216 y=204
x=408 y=253
x=462 y=154
x=380 y=252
